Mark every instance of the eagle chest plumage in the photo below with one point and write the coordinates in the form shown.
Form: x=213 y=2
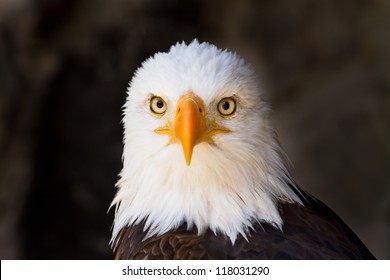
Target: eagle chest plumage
x=203 y=174
x=309 y=232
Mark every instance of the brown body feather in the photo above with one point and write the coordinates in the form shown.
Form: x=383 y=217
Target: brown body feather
x=312 y=231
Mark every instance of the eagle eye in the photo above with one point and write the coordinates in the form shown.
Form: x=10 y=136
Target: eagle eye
x=158 y=106
x=227 y=106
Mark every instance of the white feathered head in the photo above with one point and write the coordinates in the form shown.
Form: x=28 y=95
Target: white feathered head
x=198 y=147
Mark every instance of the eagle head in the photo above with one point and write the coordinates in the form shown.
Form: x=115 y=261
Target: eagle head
x=198 y=146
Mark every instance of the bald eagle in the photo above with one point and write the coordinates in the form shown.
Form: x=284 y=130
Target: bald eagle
x=203 y=174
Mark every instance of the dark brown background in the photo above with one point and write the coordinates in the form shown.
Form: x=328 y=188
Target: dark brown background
x=65 y=65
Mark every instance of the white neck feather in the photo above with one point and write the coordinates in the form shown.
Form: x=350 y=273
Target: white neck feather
x=227 y=187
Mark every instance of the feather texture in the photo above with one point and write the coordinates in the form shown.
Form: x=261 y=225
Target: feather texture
x=312 y=231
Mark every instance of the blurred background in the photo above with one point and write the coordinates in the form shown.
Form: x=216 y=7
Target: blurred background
x=65 y=66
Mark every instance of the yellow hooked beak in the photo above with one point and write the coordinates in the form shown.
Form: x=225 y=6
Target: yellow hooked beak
x=189 y=124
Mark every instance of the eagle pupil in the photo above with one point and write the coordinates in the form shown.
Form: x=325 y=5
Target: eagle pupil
x=160 y=104
x=225 y=105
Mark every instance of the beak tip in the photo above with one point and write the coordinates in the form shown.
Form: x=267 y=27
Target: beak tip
x=188 y=160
